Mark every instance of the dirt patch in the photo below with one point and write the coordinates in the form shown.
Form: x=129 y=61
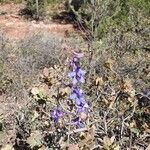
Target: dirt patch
x=16 y=27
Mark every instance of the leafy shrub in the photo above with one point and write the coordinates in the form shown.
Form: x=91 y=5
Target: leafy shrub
x=34 y=9
x=100 y=16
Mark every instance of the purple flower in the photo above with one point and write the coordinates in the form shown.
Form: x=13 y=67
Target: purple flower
x=75 y=63
x=78 y=96
x=77 y=75
x=77 y=121
x=56 y=114
x=83 y=108
x=76 y=60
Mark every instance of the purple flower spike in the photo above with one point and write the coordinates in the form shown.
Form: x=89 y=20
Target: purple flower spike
x=78 y=96
x=77 y=75
x=80 y=75
x=57 y=114
x=73 y=76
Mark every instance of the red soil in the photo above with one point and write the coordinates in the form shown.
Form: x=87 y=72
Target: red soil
x=15 y=27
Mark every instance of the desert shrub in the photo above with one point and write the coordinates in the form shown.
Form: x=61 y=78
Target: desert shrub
x=19 y=65
x=100 y=16
x=34 y=9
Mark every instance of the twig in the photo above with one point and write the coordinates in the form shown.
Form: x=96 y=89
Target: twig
x=77 y=130
x=68 y=141
x=142 y=95
x=96 y=147
x=130 y=140
x=105 y=123
x=45 y=113
x=128 y=117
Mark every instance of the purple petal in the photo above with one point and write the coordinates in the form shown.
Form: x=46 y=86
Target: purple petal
x=83 y=108
x=72 y=74
x=82 y=99
x=75 y=81
x=73 y=96
x=81 y=72
x=56 y=114
x=82 y=80
x=78 y=101
x=86 y=105
x=80 y=91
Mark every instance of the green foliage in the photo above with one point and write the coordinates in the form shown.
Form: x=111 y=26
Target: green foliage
x=141 y=5
x=34 y=9
x=101 y=15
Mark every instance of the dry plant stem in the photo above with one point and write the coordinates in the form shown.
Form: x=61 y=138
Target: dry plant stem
x=142 y=145
x=90 y=51
x=130 y=140
x=73 y=140
x=105 y=123
x=82 y=29
x=95 y=147
x=47 y=114
x=65 y=108
x=143 y=95
x=96 y=121
x=77 y=130
x=68 y=141
x=98 y=96
x=128 y=117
